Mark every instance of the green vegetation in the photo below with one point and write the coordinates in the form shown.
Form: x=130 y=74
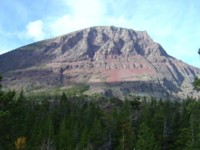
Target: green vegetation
x=196 y=82
x=78 y=89
x=67 y=121
x=0 y=82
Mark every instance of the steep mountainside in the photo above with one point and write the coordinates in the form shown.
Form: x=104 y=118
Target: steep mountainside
x=113 y=61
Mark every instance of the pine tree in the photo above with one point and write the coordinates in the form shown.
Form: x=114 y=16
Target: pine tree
x=64 y=137
x=196 y=83
x=48 y=128
x=194 y=110
x=183 y=140
x=7 y=104
x=97 y=134
x=146 y=139
x=63 y=99
x=0 y=82
x=112 y=127
x=84 y=141
x=127 y=140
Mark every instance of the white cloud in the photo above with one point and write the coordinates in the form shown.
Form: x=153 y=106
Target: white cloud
x=66 y=24
x=86 y=8
x=173 y=28
x=34 y=30
x=163 y=26
x=82 y=14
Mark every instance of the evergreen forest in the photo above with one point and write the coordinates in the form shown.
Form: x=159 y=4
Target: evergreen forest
x=71 y=121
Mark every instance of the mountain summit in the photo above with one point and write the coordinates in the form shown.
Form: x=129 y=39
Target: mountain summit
x=111 y=60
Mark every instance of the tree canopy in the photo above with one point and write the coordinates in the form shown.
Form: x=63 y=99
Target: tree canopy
x=196 y=82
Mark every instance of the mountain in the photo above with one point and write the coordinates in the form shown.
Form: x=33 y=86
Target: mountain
x=111 y=60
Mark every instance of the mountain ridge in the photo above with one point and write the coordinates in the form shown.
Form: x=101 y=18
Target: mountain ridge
x=120 y=59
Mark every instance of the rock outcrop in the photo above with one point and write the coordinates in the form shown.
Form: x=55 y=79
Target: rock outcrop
x=111 y=60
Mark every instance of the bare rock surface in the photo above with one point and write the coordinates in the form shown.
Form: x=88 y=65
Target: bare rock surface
x=111 y=60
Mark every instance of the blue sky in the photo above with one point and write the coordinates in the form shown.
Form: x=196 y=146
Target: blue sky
x=175 y=24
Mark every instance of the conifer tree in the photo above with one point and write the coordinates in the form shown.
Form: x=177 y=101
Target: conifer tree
x=194 y=110
x=48 y=128
x=0 y=82
x=63 y=99
x=146 y=139
x=84 y=139
x=196 y=82
x=183 y=140
x=97 y=134
x=127 y=140
x=64 y=138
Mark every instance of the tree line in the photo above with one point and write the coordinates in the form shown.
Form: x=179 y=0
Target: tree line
x=71 y=122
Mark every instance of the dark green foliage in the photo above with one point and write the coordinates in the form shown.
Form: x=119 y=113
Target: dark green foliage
x=64 y=140
x=97 y=134
x=196 y=84
x=127 y=139
x=194 y=134
x=0 y=82
x=146 y=139
x=67 y=122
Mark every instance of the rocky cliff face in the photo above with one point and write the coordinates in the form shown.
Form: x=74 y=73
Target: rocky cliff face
x=111 y=60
